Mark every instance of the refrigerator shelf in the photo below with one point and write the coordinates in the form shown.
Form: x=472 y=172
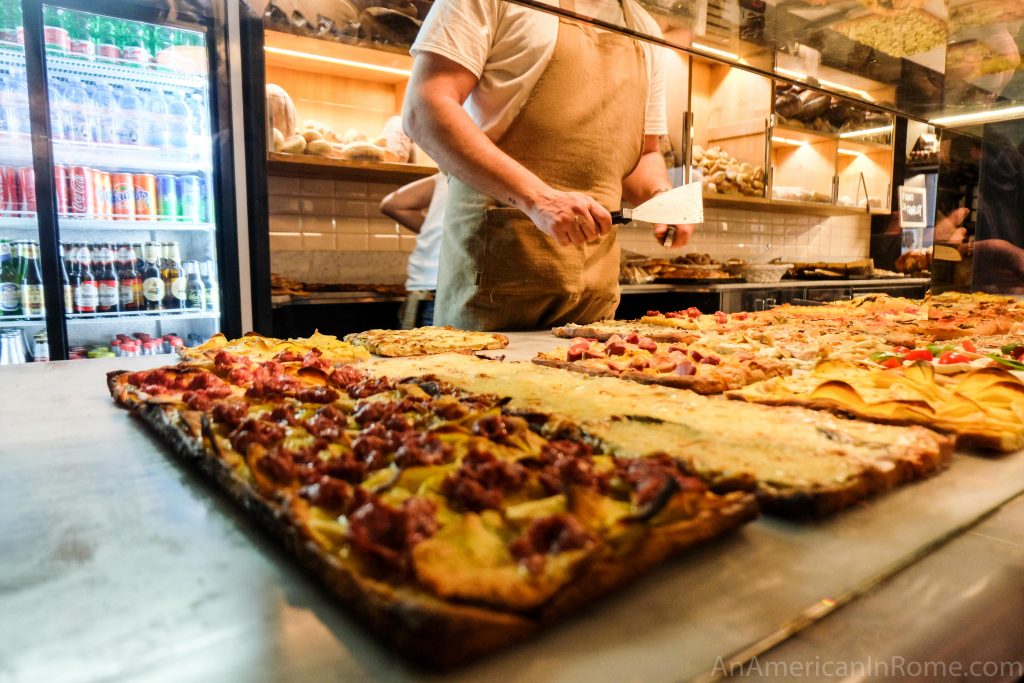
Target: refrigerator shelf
x=16 y=150
x=165 y=315
x=22 y=322
x=12 y=55
x=70 y=224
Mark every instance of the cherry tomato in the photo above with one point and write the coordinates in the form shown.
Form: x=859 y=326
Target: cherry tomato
x=969 y=346
x=900 y=350
x=918 y=354
x=892 y=363
x=952 y=357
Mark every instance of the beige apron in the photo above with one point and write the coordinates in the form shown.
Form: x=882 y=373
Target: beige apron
x=581 y=129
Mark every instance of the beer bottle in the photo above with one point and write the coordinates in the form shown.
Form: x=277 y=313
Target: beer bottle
x=209 y=277
x=194 y=287
x=152 y=280
x=86 y=291
x=131 y=285
x=32 y=284
x=175 y=284
x=109 y=292
x=10 y=297
x=65 y=281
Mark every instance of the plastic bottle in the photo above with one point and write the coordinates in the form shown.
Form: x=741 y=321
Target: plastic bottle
x=80 y=123
x=105 y=109
x=156 y=120
x=165 y=38
x=60 y=126
x=178 y=124
x=6 y=109
x=81 y=30
x=131 y=112
x=107 y=37
x=135 y=43
x=55 y=30
x=198 y=129
x=19 y=102
x=11 y=27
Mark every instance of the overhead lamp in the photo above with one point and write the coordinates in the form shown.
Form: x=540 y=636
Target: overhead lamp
x=715 y=51
x=788 y=141
x=866 y=132
x=850 y=152
x=341 y=62
x=979 y=117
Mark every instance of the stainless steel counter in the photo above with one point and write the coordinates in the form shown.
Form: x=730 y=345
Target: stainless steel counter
x=118 y=563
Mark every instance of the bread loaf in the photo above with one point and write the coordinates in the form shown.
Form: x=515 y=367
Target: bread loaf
x=281 y=110
x=395 y=140
x=296 y=144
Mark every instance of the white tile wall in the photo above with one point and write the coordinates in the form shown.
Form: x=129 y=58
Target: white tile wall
x=317 y=216
x=732 y=233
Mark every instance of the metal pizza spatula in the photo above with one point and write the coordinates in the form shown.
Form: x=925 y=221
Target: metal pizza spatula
x=680 y=205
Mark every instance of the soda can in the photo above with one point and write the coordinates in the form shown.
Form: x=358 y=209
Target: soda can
x=60 y=188
x=167 y=198
x=189 y=199
x=204 y=201
x=122 y=196
x=26 y=195
x=9 y=191
x=145 y=197
x=81 y=193
x=103 y=196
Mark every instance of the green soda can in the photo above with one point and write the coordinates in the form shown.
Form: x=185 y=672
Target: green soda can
x=167 y=205
x=190 y=191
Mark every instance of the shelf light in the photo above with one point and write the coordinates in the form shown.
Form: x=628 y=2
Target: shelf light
x=850 y=152
x=979 y=117
x=863 y=94
x=337 y=60
x=789 y=141
x=715 y=51
x=866 y=132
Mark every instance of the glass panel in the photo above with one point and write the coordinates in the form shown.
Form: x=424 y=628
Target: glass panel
x=22 y=310
x=130 y=121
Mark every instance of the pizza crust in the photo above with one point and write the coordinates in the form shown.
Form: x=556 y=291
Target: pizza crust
x=425 y=341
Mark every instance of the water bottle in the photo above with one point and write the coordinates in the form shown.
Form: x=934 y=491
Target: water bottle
x=178 y=125
x=105 y=108
x=80 y=124
x=197 y=120
x=156 y=120
x=60 y=126
x=6 y=110
x=19 y=103
x=131 y=110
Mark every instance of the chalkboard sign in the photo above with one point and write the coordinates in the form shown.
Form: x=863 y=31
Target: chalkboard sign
x=913 y=207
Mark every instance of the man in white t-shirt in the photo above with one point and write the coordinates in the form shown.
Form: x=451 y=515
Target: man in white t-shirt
x=419 y=207
x=546 y=125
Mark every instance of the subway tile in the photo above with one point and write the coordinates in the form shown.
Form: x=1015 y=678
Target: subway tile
x=380 y=190
x=317 y=187
x=317 y=240
x=323 y=206
x=278 y=203
x=349 y=190
x=351 y=225
x=407 y=242
x=352 y=207
x=284 y=241
x=282 y=185
x=318 y=224
x=383 y=226
x=285 y=223
x=383 y=243
x=351 y=242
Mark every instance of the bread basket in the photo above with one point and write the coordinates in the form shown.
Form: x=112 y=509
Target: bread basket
x=762 y=272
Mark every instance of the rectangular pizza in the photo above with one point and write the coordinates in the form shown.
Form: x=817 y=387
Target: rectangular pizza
x=448 y=523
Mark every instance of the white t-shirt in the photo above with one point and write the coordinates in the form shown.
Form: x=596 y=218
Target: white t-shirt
x=508 y=46
x=422 y=269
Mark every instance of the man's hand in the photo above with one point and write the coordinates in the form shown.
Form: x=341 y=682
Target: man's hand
x=569 y=217
x=683 y=233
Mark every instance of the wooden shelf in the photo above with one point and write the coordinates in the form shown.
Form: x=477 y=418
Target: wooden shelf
x=336 y=59
x=307 y=166
x=780 y=205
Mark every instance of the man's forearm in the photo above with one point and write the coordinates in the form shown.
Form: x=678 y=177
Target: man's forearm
x=447 y=133
x=648 y=178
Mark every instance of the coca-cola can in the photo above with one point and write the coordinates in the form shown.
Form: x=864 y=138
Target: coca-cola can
x=81 y=192
x=8 y=191
x=60 y=189
x=27 y=190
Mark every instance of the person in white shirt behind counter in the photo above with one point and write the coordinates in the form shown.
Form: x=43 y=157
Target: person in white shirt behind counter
x=419 y=207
